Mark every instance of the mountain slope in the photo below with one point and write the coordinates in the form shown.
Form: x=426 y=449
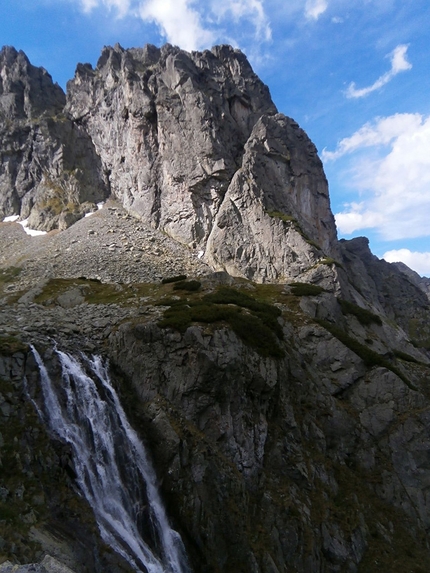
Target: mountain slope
x=285 y=402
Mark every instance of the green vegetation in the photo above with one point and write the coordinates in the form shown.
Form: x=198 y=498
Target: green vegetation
x=228 y=295
x=406 y=357
x=8 y=275
x=364 y=316
x=330 y=261
x=187 y=285
x=9 y=345
x=309 y=240
x=96 y=292
x=305 y=289
x=421 y=343
x=267 y=313
x=173 y=279
x=369 y=357
x=419 y=331
x=254 y=322
x=282 y=216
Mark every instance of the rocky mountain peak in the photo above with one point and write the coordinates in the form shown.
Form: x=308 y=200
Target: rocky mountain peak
x=190 y=143
x=421 y=282
x=186 y=128
x=26 y=92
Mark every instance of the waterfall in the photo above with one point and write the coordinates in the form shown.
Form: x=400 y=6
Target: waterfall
x=113 y=470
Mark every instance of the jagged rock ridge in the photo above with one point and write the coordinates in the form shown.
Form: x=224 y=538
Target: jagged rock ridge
x=422 y=282
x=190 y=143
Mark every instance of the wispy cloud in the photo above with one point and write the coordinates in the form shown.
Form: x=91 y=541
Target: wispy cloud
x=413 y=259
x=238 y=10
x=121 y=6
x=191 y=24
x=393 y=183
x=88 y=5
x=357 y=217
x=380 y=132
x=179 y=22
x=314 y=8
x=399 y=63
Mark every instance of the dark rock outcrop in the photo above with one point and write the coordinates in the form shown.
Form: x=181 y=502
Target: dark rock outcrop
x=311 y=460
x=273 y=465
x=49 y=171
x=387 y=289
x=422 y=282
x=26 y=92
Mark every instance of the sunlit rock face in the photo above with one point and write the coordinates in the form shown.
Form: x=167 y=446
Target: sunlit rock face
x=194 y=145
x=191 y=143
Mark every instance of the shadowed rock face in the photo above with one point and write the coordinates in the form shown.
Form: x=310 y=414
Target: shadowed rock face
x=422 y=282
x=49 y=170
x=26 y=92
x=313 y=460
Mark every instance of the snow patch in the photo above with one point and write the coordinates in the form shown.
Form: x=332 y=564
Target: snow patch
x=32 y=232
x=99 y=206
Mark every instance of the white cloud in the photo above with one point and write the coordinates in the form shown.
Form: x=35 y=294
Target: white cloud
x=420 y=262
x=239 y=10
x=399 y=64
x=195 y=24
x=393 y=183
x=314 y=8
x=179 y=22
x=122 y=6
x=357 y=217
x=88 y=5
x=381 y=132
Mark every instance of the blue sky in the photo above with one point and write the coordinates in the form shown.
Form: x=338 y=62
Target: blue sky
x=355 y=74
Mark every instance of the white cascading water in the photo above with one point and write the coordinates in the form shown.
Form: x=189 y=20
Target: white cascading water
x=112 y=468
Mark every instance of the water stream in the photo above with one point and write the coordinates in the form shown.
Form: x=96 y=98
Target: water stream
x=113 y=470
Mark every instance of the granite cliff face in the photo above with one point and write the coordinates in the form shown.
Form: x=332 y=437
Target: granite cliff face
x=284 y=402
